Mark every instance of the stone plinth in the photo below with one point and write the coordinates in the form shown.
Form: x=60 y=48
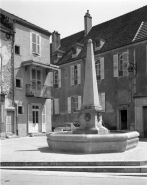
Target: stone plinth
x=92 y=143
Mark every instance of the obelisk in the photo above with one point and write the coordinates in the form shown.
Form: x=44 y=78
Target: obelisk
x=89 y=123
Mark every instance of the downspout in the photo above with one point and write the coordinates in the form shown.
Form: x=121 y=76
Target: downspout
x=13 y=76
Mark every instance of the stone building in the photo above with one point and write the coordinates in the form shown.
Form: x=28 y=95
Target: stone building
x=6 y=69
x=30 y=110
x=120 y=49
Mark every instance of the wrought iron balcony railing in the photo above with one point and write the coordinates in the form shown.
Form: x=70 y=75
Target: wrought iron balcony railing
x=37 y=90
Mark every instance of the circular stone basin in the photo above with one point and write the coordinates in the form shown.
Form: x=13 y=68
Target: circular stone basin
x=92 y=143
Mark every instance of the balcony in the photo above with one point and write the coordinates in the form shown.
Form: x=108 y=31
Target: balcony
x=38 y=91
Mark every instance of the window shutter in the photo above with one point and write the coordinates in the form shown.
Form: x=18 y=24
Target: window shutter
x=125 y=63
x=115 y=65
x=59 y=77
x=72 y=75
x=43 y=118
x=30 y=119
x=102 y=68
x=79 y=73
x=56 y=106
x=103 y=101
x=34 y=43
x=51 y=107
x=51 y=79
x=100 y=99
x=79 y=102
x=0 y=73
x=69 y=105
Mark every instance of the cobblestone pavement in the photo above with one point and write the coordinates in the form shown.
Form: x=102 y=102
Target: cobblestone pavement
x=35 y=149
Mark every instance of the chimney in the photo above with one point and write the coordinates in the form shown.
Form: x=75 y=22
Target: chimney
x=87 y=22
x=55 y=41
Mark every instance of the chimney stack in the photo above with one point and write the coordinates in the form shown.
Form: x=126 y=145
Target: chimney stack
x=55 y=41
x=87 y=22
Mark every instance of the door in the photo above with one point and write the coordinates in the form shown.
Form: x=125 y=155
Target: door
x=10 y=122
x=35 y=118
x=145 y=121
x=123 y=120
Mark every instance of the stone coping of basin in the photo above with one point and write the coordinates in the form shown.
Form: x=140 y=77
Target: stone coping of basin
x=69 y=137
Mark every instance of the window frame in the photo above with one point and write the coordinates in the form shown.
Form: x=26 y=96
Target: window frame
x=37 y=35
x=21 y=82
x=122 y=61
x=22 y=109
x=74 y=104
x=98 y=68
x=56 y=79
x=19 y=49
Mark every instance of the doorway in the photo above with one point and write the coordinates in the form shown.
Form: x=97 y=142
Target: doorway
x=35 y=116
x=10 y=122
x=123 y=120
x=145 y=121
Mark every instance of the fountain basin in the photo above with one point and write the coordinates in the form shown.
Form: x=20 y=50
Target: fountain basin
x=92 y=143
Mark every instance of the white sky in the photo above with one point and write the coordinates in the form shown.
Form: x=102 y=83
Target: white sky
x=67 y=16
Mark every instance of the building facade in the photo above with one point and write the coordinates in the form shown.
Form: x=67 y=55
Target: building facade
x=6 y=69
x=32 y=85
x=120 y=49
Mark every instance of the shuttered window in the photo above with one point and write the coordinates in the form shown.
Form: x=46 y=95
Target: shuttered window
x=120 y=64
x=74 y=104
x=35 y=43
x=99 y=66
x=75 y=74
x=57 y=79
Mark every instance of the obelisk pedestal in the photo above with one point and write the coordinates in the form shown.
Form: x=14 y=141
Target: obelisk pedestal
x=89 y=123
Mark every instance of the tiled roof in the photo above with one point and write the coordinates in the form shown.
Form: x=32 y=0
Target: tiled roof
x=117 y=32
x=26 y=23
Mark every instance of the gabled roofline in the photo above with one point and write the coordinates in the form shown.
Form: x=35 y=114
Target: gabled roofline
x=25 y=23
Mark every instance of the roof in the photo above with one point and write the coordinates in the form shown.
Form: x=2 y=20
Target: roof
x=116 y=32
x=25 y=23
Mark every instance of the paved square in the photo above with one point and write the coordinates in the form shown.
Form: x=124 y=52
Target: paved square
x=35 y=149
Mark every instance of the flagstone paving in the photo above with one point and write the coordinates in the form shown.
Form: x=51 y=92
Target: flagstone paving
x=35 y=149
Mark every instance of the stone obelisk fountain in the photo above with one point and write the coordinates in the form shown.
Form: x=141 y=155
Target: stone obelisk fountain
x=91 y=108
x=91 y=137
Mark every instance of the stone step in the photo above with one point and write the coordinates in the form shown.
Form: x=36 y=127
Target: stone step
x=37 y=134
x=100 y=169
x=11 y=135
x=88 y=164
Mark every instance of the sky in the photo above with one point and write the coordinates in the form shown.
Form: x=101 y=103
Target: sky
x=67 y=16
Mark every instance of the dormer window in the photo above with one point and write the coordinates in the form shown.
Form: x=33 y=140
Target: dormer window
x=76 y=49
x=99 y=44
x=58 y=55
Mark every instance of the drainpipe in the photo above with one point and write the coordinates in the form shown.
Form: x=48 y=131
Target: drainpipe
x=13 y=76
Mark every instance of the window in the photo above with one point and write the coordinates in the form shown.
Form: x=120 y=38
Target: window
x=97 y=43
x=36 y=43
x=76 y=74
x=99 y=67
x=19 y=83
x=57 y=79
x=17 y=50
x=120 y=64
x=20 y=109
x=74 y=104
